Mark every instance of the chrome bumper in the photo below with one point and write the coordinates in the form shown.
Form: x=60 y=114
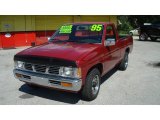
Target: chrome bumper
x=48 y=80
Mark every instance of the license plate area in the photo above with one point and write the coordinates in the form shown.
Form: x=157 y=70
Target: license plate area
x=39 y=80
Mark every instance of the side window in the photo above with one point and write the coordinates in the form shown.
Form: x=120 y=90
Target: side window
x=110 y=34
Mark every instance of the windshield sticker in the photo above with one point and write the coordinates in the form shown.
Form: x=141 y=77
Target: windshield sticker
x=96 y=27
x=66 y=29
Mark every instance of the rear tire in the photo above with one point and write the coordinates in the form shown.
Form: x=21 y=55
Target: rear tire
x=143 y=36
x=92 y=85
x=153 y=38
x=124 y=63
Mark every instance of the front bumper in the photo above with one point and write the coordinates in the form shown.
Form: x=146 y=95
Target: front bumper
x=47 y=80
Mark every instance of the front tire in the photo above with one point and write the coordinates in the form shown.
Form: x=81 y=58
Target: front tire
x=124 y=63
x=92 y=85
x=153 y=38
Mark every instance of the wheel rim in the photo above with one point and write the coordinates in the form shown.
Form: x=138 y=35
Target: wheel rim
x=126 y=61
x=142 y=37
x=95 y=85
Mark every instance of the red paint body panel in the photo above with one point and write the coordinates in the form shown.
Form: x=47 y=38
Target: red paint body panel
x=86 y=55
x=68 y=51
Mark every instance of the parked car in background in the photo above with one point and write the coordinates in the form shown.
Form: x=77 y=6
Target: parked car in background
x=75 y=58
x=134 y=32
x=151 y=31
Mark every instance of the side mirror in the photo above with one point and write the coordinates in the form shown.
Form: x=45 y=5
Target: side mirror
x=110 y=42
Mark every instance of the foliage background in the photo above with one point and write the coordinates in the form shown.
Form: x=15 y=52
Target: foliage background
x=130 y=22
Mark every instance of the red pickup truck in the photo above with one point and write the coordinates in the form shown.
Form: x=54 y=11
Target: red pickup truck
x=75 y=58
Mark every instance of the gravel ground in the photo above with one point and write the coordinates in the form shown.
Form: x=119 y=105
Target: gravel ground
x=139 y=84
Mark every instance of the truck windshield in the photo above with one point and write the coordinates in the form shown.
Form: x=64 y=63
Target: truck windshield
x=81 y=33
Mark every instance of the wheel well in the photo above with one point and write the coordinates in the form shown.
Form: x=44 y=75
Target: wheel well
x=99 y=66
x=127 y=50
x=144 y=33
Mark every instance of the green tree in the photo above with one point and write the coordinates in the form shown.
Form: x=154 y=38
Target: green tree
x=124 y=25
x=128 y=22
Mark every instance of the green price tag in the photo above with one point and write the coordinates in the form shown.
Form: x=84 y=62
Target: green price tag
x=96 y=27
x=66 y=29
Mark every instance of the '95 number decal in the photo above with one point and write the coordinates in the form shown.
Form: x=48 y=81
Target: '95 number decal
x=96 y=27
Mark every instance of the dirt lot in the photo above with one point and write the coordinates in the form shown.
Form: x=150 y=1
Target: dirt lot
x=139 y=84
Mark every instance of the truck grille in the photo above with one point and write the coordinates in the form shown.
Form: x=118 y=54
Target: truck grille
x=54 y=69
x=40 y=68
x=28 y=66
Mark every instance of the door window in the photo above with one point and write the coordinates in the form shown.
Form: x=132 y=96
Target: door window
x=110 y=33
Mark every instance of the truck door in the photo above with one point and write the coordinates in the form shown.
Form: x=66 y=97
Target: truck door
x=111 y=53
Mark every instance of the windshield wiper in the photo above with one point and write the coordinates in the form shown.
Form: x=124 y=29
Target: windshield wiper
x=76 y=41
x=55 y=39
x=79 y=41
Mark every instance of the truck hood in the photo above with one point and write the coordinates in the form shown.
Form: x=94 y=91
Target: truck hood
x=69 y=51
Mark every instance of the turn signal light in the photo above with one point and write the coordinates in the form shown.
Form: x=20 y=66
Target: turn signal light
x=65 y=84
x=79 y=74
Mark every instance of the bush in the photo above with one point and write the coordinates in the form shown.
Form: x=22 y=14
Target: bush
x=125 y=25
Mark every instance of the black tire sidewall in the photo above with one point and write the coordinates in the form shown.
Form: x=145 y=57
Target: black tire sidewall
x=126 y=55
x=122 y=65
x=146 y=37
x=87 y=88
x=153 y=38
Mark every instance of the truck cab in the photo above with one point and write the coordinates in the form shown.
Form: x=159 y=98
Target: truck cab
x=75 y=58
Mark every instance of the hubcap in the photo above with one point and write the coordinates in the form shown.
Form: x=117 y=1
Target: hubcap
x=126 y=61
x=142 y=37
x=95 y=84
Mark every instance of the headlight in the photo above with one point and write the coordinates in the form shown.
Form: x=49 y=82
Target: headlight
x=19 y=64
x=70 y=72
